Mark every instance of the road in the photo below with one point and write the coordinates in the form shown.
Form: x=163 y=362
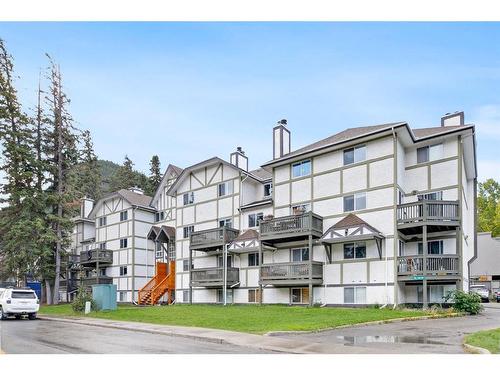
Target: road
x=411 y=337
x=49 y=337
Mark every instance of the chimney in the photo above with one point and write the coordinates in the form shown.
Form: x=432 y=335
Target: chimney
x=239 y=159
x=281 y=140
x=453 y=119
x=86 y=205
x=136 y=190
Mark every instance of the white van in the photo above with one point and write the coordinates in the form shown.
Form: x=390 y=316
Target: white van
x=18 y=302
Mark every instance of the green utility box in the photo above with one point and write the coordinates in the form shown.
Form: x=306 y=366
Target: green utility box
x=104 y=296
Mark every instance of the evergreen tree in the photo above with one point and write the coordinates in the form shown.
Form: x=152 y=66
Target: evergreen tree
x=124 y=177
x=155 y=175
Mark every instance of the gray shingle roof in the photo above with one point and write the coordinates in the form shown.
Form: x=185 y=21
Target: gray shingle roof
x=262 y=173
x=426 y=132
x=135 y=199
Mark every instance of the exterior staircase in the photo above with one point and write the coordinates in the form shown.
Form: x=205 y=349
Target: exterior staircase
x=163 y=282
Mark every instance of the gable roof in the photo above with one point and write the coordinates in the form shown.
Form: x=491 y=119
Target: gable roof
x=134 y=199
x=171 y=170
x=437 y=130
x=262 y=173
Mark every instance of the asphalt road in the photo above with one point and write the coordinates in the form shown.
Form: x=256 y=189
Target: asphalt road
x=411 y=337
x=49 y=337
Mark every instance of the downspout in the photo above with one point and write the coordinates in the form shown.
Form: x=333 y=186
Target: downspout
x=396 y=238
x=133 y=252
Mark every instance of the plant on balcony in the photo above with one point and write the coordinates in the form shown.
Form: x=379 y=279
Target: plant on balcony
x=81 y=298
x=465 y=302
x=267 y=218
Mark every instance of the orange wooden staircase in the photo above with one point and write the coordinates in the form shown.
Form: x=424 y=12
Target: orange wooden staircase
x=163 y=282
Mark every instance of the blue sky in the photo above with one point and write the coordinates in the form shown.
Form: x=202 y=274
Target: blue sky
x=190 y=91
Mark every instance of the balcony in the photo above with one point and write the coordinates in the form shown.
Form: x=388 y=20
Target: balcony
x=212 y=239
x=438 y=267
x=69 y=284
x=437 y=215
x=89 y=281
x=214 y=277
x=90 y=258
x=291 y=228
x=292 y=274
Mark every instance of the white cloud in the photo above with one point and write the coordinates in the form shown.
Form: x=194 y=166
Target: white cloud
x=488 y=169
x=487 y=119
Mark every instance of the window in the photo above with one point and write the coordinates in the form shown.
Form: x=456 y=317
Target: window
x=160 y=216
x=355 y=202
x=435 y=196
x=123 y=270
x=300 y=295
x=268 y=189
x=123 y=215
x=300 y=255
x=185 y=296
x=23 y=295
x=123 y=296
x=159 y=250
x=220 y=296
x=225 y=188
x=253 y=295
x=433 y=248
x=102 y=246
x=102 y=221
x=301 y=208
x=429 y=153
x=401 y=248
x=188 y=198
x=354 y=154
x=225 y=223
x=302 y=168
x=355 y=295
x=253 y=259
x=254 y=219
x=187 y=231
x=401 y=197
x=185 y=265
x=123 y=243
x=355 y=250
x=220 y=261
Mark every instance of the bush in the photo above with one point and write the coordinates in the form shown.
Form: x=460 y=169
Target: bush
x=465 y=302
x=81 y=298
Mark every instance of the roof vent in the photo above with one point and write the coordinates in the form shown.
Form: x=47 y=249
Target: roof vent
x=453 y=119
x=136 y=190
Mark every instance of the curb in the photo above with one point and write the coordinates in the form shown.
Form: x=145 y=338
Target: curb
x=376 y=322
x=475 y=349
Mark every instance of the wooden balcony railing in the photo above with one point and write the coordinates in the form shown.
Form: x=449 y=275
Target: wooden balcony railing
x=436 y=264
x=289 y=272
x=89 y=281
x=426 y=210
x=214 y=276
x=97 y=255
x=287 y=226
x=211 y=238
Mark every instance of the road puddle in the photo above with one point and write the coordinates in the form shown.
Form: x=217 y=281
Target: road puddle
x=360 y=340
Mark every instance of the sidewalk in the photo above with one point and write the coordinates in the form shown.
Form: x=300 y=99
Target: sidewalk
x=277 y=344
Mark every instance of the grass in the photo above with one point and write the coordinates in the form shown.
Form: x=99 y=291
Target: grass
x=243 y=318
x=486 y=339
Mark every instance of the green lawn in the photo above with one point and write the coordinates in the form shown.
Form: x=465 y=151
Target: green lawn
x=486 y=339
x=244 y=318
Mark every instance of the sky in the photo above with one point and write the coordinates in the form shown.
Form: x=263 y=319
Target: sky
x=191 y=91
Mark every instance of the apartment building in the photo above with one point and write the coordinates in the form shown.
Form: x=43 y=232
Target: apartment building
x=485 y=268
x=381 y=214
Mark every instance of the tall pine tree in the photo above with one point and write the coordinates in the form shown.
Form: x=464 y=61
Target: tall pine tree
x=124 y=176
x=155 y=174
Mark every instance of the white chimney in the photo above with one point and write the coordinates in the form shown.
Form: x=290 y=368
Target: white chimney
x=86 y=205
x=281 y=140
x=453 y=119
x=136 y=190
x=239 y=159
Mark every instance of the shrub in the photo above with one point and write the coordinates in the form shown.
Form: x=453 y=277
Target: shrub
x=81 y=298
x=465 y=302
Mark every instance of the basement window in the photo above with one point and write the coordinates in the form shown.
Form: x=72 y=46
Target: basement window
x=355 y=295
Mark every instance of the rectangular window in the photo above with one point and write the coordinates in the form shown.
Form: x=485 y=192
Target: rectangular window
x=355 y=202
x=254 y=219
x=433 y=248
x=188 y=198
x=185 y=296
x=435 y=196
x=401 y=197
x=228 y=223
x=253 y=259
x=225 y=188
x=300 y=255
x=220 y=296
x=220 y=261
x=187 y=231
x=123 y=215
x=123 y=243
x=355 y=295
x=401 y=248
x=253 y=295
x=123 y=270
x=268 y=189
x=355 y=250
x=159 y=216
x=102 y=221
x=354 y=154
x=300 y=295
x=429 y=153
x=123 y=296
x=102 y=246
x=302 y=168
x=301 y=208
x=159 y=250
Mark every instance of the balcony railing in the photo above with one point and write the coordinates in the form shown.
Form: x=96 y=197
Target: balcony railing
x=212 y=238
x=293 y=225
x=425 y=211
x=214 y=276
x=97 y=255
x=291 y=273
x=436 y=264
x=89 y=281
